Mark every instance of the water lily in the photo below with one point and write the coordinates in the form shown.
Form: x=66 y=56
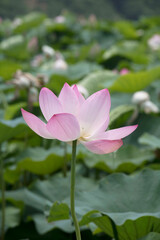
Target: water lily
x=71 y=117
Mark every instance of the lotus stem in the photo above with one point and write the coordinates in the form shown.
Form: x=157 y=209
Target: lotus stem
x=64 y=168
x=73 y=164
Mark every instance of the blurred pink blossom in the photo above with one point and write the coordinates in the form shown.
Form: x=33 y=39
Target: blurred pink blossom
x=60 y=19
x=124 y=71
x=154 y=42
x=37 y=60
x=33 y=44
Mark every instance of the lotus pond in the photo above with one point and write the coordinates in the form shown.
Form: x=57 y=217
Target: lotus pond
x=117 y=195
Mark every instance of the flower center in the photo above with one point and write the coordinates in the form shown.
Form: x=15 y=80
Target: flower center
x=85 y=137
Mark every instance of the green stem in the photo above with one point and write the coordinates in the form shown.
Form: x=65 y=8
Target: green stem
x=65 y=160
x=115 y=232
x=73 y=165
x=3 y=200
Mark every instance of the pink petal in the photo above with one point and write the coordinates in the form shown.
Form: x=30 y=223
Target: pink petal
x=116 y=134
x=103 y=146
x=80 y=97
x=64 y=127
x=102 y=128
x=68 y=99
x=94 y=112
x=49 y=103
x=36 y=124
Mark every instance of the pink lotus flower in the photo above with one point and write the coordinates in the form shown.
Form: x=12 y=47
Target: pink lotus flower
x=70 y=116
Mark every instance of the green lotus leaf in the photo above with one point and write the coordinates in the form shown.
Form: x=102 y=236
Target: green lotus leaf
x=12 y=217
x=151 y=236
x=150 y=140
x=12 y=128
x=98 y=80
x=40 y=161
x=12 y=110
x=144 y=126
x=130 y=50
x=81 y=69
x=28 y=22
x=133 y=82
x=127 y=29
x=43 y=226
x=127 y=159
x=11 y=174
x=59 y=211
x=43 y=194
x=8 y=68
x=120 y=114
x=118 y=204
x=129 y=205
x=128 y=83
x=15 y=47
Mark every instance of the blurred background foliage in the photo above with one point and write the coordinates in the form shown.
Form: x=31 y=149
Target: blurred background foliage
x=104 y=9
x=118 y=190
